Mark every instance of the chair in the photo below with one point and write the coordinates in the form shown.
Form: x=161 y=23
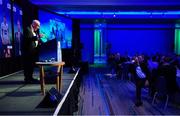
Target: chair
x=161 y=90
x=125 y=71
x=152 y=82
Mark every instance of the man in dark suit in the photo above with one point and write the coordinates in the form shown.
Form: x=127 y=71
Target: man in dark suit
x=30 y=50
x=141 y=74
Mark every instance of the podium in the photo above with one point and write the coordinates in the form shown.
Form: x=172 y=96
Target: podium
x=50 y=55
x=50 y=51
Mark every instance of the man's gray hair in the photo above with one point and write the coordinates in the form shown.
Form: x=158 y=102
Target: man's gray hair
x=36 y=22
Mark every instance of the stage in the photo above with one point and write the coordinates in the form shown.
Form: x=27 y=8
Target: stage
x=18 y=98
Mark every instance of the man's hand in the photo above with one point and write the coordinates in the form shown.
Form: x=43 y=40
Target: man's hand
x=41 y=35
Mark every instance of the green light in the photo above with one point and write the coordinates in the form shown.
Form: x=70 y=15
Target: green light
x=96 y=42
x=95 y=46
x=177 y=41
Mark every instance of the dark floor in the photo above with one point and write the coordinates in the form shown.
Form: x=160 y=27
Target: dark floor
x=19 y=98
x=104 y=95
x=99 y=94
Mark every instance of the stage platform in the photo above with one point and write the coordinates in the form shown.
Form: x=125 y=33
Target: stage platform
x=18 y=98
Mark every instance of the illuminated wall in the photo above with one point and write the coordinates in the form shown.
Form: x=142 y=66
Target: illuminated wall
x=141 y=38
x=87 y=35
x=129 y=38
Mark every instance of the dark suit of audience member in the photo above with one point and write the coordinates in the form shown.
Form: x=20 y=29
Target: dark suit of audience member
x=141 y=74
x=171 y=79
x=30 y=50
x=169 y=72
x=153 y=68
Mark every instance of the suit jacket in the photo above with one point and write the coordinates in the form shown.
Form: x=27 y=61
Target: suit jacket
x=28 y=45
x=169 y=72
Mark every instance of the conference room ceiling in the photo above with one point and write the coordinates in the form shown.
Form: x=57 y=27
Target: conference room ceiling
x=110 y=6
x=107 y=5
